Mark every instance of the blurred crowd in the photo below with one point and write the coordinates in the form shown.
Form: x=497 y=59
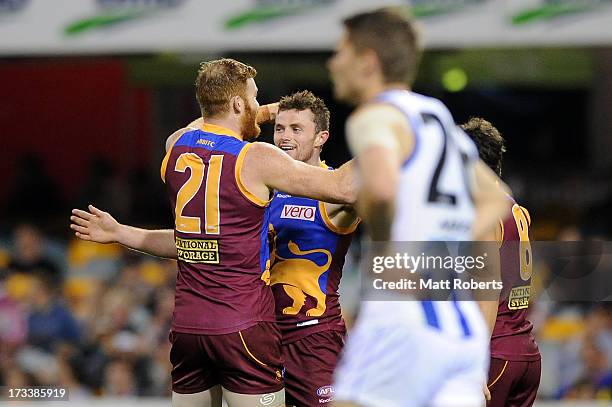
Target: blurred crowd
x=96 y=318
x=88 y=317
x=573 y=318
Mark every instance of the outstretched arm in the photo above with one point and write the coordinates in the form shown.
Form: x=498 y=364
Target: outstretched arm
x=100 y=227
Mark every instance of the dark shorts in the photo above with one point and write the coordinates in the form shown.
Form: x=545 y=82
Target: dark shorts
x=513 y=384
x=245 y=362
x=309 y=368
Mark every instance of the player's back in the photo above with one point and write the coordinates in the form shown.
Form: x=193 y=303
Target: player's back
x=512 y=338
x=434 y=202
x=221 y=235
x=415 y=351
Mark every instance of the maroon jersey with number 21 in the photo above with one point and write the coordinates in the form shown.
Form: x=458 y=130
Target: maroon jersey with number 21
x=221 y=235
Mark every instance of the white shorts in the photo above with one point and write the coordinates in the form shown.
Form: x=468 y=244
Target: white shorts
x=415 y=354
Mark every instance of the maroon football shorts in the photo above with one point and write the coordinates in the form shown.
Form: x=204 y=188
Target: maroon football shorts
x=244 y=362
x=309 y=367
x=512 y=383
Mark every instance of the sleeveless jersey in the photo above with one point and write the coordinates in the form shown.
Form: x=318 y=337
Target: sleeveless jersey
x=433 y=201
x=308 y=253
x=221 y=235
x=512 y=338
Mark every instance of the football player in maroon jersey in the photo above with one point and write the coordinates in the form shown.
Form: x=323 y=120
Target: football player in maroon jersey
x=224 y=331
x=311 y=342
x=514 y=372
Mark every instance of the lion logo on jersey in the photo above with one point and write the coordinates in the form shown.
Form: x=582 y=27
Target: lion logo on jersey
x=300 y=277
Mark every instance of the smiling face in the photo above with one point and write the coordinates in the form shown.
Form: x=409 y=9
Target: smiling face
x=295 y=133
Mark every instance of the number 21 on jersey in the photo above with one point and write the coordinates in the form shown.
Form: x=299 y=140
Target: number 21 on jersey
x=191 y=188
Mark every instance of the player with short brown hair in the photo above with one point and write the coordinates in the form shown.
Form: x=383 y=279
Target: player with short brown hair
x=421 y=181
x=516 y=363
x=491 y=145
x=218 y=81
x=309 y=240
x=306 y=100
x=390 y=34
x=223 y=328
x=303 y=232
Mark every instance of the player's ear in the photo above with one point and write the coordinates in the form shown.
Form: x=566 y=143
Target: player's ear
x=237 y=104
x=321 y=138
x=369 y=61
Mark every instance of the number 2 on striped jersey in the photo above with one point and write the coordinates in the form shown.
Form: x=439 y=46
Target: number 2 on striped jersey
x=192 y=224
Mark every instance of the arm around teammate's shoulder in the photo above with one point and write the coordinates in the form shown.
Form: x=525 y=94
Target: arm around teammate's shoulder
x=340 y=218
x=267 y=167
x=265 y=113
x=173 y=138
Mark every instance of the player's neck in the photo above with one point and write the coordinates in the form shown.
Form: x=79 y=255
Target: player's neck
x=226 y=123
x=374 y=90
x=315 y=160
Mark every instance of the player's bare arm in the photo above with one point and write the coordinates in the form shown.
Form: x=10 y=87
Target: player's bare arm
x=489 y=306
x=490 y=197
x=267 y=168
x=380 y=139
x=489 y=312
x=100 y=227
x=265 y=113
x=491 y=205
x=341 y=216
x=175 y=136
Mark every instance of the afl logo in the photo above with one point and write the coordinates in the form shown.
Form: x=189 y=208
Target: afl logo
x=267 y=399
x=325 y=391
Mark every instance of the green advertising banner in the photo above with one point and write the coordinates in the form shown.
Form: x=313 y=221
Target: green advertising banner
x=39 y=27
